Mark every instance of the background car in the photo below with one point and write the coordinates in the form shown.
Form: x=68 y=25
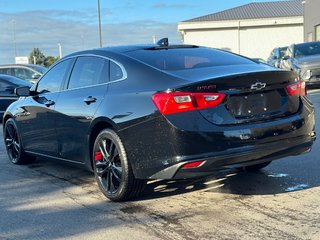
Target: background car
x=29 y=72
x=140 y=112
x=276 y=55
x=304 y=59
x=7 y=95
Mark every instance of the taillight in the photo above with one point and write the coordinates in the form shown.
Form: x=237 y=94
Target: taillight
x=193 y=164
x=174 y=102
x=297 y=89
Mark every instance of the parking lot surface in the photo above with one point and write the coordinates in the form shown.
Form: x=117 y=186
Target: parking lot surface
x=49 y=200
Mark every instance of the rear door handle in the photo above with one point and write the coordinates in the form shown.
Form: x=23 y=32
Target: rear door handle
x=89 y=100
x=49 y=103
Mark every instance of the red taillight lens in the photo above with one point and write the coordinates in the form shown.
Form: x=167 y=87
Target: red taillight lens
x=193 y=164
x=297 y=89
x=174 y=102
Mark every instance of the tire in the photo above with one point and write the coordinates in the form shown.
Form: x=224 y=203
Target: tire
x=256 y=167
x=13 y=144
x=113 y=171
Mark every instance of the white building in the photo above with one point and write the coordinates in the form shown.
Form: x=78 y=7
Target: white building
x=252 y=30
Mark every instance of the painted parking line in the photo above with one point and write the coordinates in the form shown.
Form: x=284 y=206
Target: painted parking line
x=314 y=91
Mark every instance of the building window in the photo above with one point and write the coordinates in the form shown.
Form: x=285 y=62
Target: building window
x=317 y=33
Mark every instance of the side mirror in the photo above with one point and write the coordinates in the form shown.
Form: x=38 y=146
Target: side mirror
x=36 y=76
x=22 y=91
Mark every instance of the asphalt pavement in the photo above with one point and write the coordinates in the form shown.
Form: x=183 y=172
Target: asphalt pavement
x=50 y=200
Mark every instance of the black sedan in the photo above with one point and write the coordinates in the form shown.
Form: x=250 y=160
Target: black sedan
x=142 y=112
x=7 y=86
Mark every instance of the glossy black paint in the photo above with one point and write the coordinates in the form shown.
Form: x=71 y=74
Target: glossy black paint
x=63 y=124
x=7 y=95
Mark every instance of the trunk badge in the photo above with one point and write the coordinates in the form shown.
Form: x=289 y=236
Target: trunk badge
x=258 y=86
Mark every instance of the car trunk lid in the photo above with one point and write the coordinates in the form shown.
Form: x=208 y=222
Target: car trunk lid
x=250 y=97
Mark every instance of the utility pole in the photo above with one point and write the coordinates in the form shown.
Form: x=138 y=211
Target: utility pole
x=14 y=39
x=100 y=37
x=60 y=50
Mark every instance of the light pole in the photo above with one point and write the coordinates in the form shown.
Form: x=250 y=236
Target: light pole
x=14 y=39
x=60 y=50
x=100 y=37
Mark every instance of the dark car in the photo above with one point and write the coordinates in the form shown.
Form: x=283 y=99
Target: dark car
x=7 y=95
x=276 y=56
x=143 y=112
x=259 y=60
x=304 y=59
x=29 y=72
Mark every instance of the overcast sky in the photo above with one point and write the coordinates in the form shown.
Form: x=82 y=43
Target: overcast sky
x=74 y=23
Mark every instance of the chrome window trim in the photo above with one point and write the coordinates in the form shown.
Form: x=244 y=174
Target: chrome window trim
x=124 y=72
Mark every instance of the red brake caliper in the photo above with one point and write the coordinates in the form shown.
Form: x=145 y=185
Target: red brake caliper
x=98 y=156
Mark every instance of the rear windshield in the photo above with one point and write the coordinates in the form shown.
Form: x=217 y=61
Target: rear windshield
x=186 y=58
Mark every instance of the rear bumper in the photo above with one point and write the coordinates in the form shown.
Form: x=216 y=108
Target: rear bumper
x=236 y=158
x=164 y=145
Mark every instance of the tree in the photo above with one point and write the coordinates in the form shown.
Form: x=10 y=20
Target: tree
x=50 y=60
x=37 y=57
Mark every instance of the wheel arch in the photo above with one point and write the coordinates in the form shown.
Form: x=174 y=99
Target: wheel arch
x=5 y=119
x=96 y=127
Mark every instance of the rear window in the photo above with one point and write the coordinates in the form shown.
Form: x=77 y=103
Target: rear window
x=187 y=58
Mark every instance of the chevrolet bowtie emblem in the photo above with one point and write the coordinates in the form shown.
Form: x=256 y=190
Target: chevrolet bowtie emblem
x=258 y=86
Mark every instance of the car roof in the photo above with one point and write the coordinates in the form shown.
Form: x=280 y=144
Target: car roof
x=17 y=65
x=129 y=48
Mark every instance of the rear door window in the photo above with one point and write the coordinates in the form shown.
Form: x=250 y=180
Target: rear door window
x=88 y=71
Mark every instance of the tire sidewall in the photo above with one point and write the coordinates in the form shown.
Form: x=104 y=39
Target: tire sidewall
x=18 y=160
x=119 y=193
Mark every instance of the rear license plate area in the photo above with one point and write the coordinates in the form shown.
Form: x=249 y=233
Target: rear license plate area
x=249 y=105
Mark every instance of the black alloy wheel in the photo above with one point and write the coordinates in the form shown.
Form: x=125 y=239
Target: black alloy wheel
x=112 y=170
x=13 y=144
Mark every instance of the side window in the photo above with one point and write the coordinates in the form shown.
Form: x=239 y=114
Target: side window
x=52 y=80
x=6 y=71
x=115 y=72
x=88 y=71
x=23 y=73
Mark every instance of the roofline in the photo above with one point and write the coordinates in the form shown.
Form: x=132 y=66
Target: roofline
x=242 y=19
x=293 y=21
x=234 y=8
